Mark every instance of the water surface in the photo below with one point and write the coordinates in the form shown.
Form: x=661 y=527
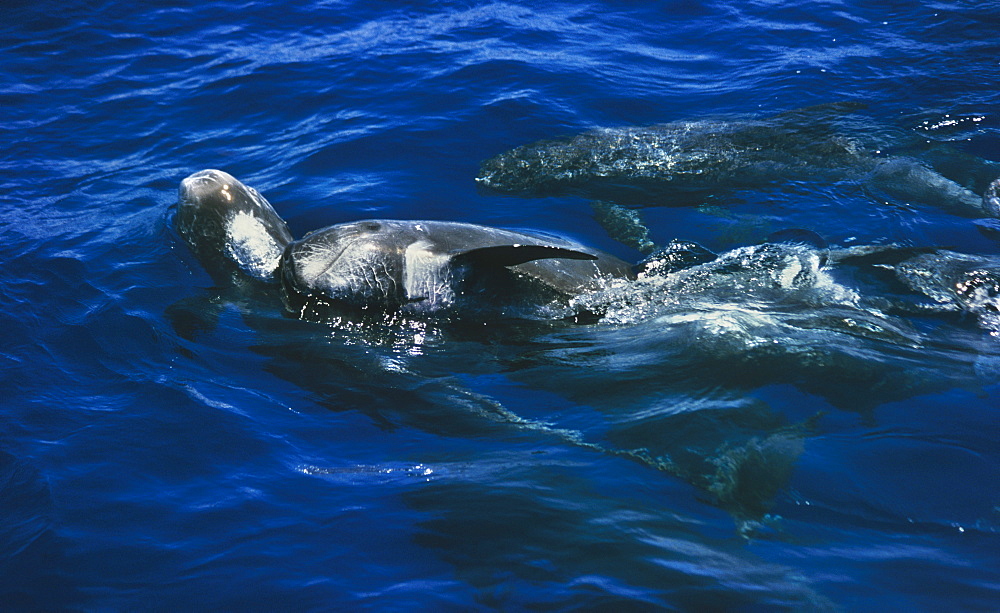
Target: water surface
x=775 y=442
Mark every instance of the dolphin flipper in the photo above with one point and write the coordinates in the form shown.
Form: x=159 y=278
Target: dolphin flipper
x=624 y=225
x=193 y=316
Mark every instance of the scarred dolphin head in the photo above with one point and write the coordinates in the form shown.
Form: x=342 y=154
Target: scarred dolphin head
x=230 y=227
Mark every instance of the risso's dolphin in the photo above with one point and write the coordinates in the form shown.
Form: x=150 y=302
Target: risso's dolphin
x=415 y=267
x=660 y=164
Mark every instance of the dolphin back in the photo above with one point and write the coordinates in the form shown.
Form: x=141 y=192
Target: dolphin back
x=429 y=266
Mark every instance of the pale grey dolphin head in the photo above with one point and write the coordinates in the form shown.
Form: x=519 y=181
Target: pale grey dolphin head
x=230 y=227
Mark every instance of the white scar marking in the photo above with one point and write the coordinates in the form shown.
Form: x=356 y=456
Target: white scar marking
x=250 y=245
x=425 y=275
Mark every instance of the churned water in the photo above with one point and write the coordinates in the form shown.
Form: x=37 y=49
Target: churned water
x=789 y=426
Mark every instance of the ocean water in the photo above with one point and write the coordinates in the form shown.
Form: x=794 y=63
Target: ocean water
x=774 y=430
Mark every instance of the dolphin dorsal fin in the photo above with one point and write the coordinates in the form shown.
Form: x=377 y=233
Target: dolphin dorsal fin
x=512 y=255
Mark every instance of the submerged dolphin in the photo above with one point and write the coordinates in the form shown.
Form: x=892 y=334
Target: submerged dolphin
x=711 y=155
x=956 y=281
x=380 y=265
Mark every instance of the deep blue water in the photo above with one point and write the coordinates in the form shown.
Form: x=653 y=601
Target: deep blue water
x=167 y=445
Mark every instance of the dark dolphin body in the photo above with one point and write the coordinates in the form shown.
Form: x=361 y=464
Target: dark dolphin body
x=956 y=281
x=380 y=265
x=648 y=163
x=428 y=266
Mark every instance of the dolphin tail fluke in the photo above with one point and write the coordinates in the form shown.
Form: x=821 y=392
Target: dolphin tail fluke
x=909 y=180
